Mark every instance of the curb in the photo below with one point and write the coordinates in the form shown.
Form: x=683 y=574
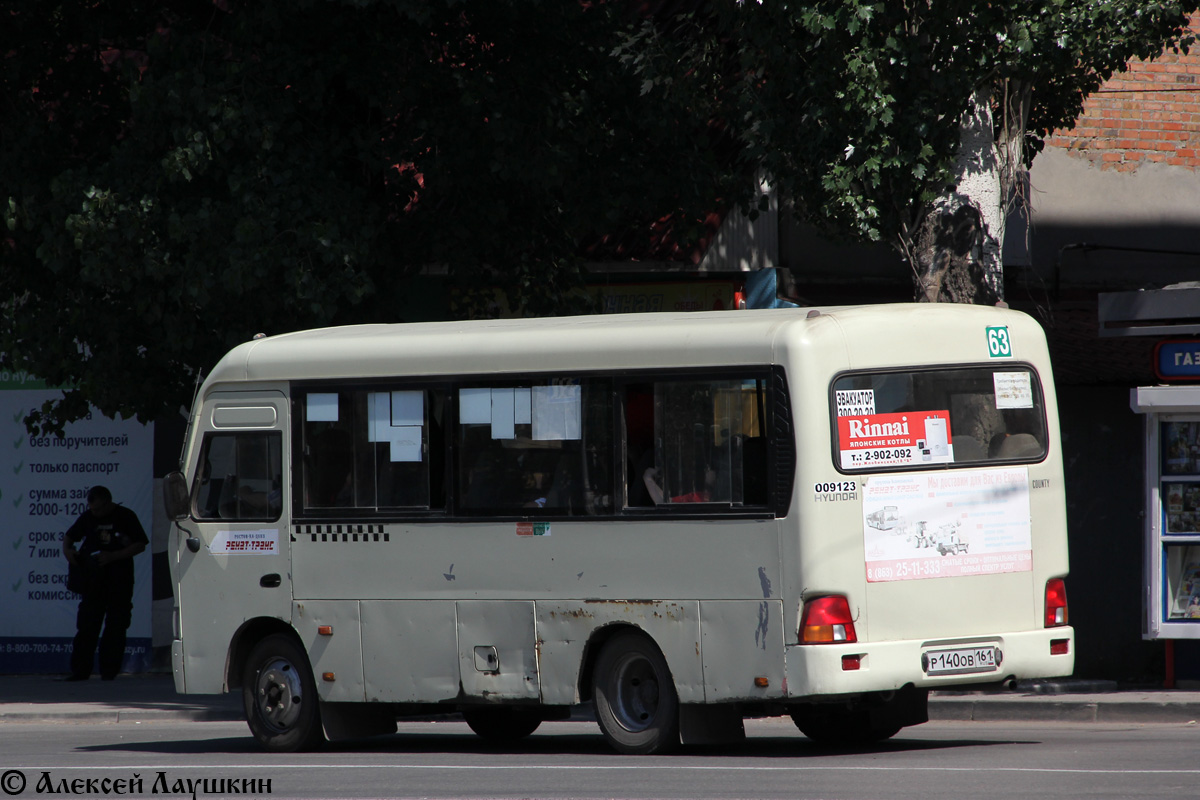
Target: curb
x=966 y=710
x=117 y=715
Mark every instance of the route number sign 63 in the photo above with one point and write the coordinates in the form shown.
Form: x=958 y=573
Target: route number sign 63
x=999 y=345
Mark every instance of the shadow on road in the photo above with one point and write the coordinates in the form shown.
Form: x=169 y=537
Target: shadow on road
x=461 y=742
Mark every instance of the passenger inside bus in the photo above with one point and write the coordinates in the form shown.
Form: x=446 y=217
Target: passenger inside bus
x=704 y=483
x=694 y=442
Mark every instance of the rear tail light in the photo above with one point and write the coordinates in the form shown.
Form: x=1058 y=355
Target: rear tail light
x=827 y=620
x=1056 y=603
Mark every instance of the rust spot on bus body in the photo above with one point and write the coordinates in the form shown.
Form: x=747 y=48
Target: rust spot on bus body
x=625 y=602
x=576 y=613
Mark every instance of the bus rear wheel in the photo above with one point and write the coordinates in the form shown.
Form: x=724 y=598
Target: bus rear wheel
x=279 y=696
x=501 y=724
x=637 y=707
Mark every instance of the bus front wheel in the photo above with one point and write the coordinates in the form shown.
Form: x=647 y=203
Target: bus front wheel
x=636 y=704
x=280 y=696
x=501 y=724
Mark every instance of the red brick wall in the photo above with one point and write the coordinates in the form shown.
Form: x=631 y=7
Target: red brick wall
x=1149 y=113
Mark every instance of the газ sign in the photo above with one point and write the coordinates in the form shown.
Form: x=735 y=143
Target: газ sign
x=1177 y=360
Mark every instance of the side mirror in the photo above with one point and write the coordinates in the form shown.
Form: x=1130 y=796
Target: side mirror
x=176 y=501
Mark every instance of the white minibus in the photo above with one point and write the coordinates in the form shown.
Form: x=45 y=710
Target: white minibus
x=678 y=520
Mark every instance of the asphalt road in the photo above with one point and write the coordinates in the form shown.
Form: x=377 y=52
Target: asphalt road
x=950 y=760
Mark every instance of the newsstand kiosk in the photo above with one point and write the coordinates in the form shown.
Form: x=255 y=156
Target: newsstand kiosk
x=1171 y=585
x=1172 y=554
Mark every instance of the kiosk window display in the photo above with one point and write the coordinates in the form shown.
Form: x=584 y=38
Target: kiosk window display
x=1172 y=509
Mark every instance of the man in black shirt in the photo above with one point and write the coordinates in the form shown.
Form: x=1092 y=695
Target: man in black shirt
x=111 y=536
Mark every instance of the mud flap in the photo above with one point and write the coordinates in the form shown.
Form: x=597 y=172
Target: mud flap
x=908 y=706
x=711 y=724
x=356 y=720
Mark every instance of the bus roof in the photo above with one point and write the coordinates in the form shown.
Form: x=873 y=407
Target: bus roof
x=896 y=333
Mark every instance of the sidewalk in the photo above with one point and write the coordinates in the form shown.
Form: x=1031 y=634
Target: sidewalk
x=130 y=698
x=152 y=697
x=1068 y=700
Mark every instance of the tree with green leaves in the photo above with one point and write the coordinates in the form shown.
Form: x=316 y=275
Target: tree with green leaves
x=908 y=122
x=178 y=175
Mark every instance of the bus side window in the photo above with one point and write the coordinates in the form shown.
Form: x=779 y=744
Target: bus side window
x=375 y=450
x=538 y=449
x=695 y=441
x=327 y=450
x=404 y=455
x=240 y=477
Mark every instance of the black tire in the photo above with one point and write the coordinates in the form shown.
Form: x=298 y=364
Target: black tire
x=501 y=724
x=279 y=696
x=841 y=727
x=636 y=703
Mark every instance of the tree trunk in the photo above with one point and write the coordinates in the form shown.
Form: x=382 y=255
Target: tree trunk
x=956 y=251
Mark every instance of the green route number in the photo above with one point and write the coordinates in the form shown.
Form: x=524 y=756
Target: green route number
x=999 y=345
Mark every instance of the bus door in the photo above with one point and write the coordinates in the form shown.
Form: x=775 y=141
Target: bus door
x=235 y=567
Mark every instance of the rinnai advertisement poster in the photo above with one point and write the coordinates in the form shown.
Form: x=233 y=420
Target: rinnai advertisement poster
x=887 y=440
x=947 y=525
x=43 y=489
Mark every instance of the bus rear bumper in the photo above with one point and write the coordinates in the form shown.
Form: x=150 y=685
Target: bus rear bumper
x=841 y=669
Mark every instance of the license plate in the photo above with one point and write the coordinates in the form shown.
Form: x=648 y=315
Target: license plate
x=960 y=660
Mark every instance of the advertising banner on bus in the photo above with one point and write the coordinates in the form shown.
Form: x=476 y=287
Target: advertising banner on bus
x=947 y=524
x=887 y=440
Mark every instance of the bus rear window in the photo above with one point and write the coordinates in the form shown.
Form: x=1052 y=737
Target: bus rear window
x=937 y=417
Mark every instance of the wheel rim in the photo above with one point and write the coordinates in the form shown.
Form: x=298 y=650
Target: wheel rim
x=278 y=695
x=637 y=693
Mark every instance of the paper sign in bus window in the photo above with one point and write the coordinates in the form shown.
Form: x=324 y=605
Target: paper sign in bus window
x=396 y=419
x=855 y=402
x=379 y=417
x=408 y=408
x=321 y=407
x=405 y=443
x=504 y=420
x=556 y=412
x=475 y=406
x=1013 y=389
x=523 y=406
